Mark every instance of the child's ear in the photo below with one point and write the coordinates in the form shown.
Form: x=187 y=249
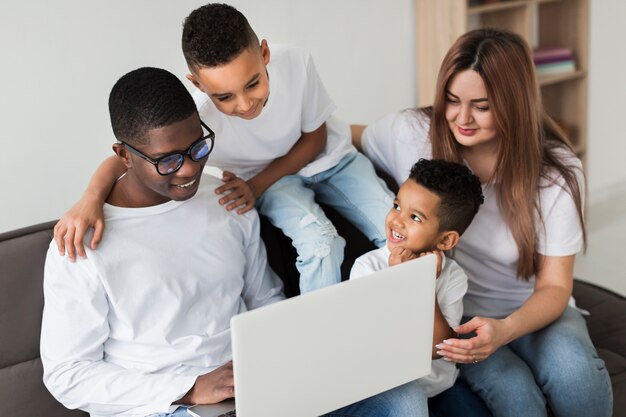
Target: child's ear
x=195 y=82
x=265 y=52
x=121 y=151
x=448 y=240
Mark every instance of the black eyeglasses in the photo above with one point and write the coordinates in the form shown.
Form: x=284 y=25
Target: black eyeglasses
x=170 y=163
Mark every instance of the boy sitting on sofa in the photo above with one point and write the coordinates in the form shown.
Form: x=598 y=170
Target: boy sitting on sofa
x=141 y=326
x=433 y=208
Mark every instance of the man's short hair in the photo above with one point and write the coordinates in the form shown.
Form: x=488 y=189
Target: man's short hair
x=147 y=98
x=459 y=190
x=214 y=35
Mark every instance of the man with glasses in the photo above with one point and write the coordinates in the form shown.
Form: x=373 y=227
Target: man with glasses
x=142 y=324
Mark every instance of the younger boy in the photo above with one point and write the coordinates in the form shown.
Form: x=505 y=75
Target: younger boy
x=433 y=208
x=279 y=146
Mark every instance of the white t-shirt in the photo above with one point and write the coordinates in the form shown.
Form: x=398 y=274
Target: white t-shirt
x=127 y=330
x=487 y=252
x=450 y=288
x=297 y=103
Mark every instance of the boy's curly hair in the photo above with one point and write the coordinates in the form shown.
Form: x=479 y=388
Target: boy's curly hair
x=459 y=190
x=215 y=34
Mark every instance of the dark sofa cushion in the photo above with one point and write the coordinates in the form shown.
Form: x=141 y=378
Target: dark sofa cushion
x=607 y=328
x=22 y=256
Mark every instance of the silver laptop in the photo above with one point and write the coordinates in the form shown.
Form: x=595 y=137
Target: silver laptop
x=320 y=351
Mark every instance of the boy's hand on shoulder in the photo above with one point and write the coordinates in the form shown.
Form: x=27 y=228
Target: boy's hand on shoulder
x=439 y=259
x=399 y=255
x=71 y=229
x=239 y=194
x=211 y=388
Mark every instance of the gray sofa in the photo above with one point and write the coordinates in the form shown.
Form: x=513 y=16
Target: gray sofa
x=22 y=255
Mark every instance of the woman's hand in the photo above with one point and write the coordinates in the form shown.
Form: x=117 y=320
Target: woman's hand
x=70 y=231
x=239 y=193
x=490 y=335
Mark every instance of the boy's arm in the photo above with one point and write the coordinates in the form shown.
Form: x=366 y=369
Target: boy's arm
x=87 y=212
x=243 y=194
x=441 y=330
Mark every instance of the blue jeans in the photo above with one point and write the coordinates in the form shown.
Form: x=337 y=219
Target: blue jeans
x=557 y=364
x=458 y=400
x=408 y=400
x=179 y=412
x=353 y=189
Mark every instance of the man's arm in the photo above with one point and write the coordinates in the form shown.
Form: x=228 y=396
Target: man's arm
x=243 y=194
x=74 y=331
x=70 y=231
x=261 y=285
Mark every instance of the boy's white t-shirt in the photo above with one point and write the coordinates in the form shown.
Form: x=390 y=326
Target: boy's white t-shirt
x=450 y=288
x=297 y=103
x=487 y=252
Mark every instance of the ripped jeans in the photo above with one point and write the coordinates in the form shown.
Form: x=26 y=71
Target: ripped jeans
x=353 y=189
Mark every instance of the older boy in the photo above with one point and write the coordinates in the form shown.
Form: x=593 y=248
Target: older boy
x=278 y=144
x=433 y=208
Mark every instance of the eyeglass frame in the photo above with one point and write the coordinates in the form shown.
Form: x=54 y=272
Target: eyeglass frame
x=187 y=152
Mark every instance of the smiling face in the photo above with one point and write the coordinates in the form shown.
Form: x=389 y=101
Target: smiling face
x=412 y=222
x=143 y=186
x=239 y=88
x=467 y=110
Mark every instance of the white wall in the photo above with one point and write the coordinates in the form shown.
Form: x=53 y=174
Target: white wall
x=60 y=59
x=607 y=106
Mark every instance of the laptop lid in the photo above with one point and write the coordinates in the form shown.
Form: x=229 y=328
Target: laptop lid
x=320 y=351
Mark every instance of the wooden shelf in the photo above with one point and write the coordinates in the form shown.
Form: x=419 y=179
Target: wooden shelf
x=553 y=79
x=496 y=7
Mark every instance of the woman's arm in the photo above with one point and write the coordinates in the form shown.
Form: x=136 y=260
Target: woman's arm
x=553 y=287
x=87 y=212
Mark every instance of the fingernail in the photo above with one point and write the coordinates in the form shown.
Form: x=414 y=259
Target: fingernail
x=439 y=346
x=447 y=342
x=440 y=353
x=447 y=359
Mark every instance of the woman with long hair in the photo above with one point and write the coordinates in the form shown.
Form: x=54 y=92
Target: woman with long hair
x=521 y=344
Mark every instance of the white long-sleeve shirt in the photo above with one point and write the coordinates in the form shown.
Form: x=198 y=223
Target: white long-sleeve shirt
x=127 y=330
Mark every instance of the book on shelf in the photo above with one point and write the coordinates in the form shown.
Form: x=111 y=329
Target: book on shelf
x=553 y=61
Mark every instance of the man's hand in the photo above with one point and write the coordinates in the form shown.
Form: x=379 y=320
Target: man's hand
x=71 y=229
x=399 y=255
x=239 y=193
x=211 y=388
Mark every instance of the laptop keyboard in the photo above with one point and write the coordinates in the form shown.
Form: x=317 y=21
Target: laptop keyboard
x=230 y=413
